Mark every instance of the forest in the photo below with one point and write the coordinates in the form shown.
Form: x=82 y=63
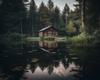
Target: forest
x=24 y=18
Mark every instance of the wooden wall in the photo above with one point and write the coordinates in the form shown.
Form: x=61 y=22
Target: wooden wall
x=52 y=30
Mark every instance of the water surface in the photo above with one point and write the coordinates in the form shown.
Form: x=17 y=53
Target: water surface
x=48 y=61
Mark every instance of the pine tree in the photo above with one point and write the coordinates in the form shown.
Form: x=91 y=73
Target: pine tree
x=4 y=8
x=50 y=6
x=44 y=15
x=15 y=15
x=70 y=28
x=56 y=16
x=32 y=16
x=65 y=13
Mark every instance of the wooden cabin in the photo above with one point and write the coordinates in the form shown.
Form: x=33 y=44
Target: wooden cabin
x=48 y=31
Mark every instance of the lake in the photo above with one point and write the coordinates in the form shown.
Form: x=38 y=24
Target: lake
x=48 y=60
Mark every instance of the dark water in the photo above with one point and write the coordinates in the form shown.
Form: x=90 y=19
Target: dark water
x=48 y=61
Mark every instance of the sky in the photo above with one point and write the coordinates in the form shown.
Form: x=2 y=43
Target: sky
x=59 y=3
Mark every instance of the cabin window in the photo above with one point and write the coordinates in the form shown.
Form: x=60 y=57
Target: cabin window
x=49 y=45
x=45 y=33
x=54 y=45
x=49 y=33
x=55 y=33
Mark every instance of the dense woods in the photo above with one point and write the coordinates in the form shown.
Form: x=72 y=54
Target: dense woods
x=24 y=17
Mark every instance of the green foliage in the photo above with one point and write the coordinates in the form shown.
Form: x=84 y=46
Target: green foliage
x=33 y=19
x=97 y=36
x=65 y=12
x=56 y=16
x=70 y=28
x=92 y=14
x=33 y=38
x=50 y=5
x=12 y=36
x=13 y=15
x=15 y=18
x=82 y=38
x=44 y=15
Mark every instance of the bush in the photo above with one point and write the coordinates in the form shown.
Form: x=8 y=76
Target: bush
x=96 y=35
x=82 y=38
x=15 y=36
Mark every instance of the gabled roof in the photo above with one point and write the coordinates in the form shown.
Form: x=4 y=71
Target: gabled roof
x=43 y=29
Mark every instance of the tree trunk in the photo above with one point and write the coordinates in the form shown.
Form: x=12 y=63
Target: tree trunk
x=55 y=23
x=83 y=13
x=66 y=23
x=32 y=25
x=99 y=21
x=21 y=26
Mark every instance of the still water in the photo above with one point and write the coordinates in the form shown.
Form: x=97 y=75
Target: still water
x=48 y=61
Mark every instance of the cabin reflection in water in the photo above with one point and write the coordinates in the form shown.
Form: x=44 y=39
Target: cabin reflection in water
x=48 y=46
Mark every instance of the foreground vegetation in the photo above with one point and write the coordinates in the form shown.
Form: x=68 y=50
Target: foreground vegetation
x=82 y=38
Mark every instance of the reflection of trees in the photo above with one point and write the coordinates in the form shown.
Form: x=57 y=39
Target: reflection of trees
x=49 y=61
x=50 y=69
x=42 y=65
x=89 y=62
x=33 y=67
x=65 y=63
x=56 y=64
x=11 y=65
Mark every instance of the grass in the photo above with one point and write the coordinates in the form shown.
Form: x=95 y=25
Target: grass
x=33 y=38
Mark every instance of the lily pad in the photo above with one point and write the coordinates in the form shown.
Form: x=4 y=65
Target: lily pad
x=74 y=58
x=34 y=60
x=53 y=52
x=20 y=67
x=16 y=69
x=30 y=51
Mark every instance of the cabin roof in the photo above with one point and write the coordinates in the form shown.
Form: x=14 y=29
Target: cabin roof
x=43 y=29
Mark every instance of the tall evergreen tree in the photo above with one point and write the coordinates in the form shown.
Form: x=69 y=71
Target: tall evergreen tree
x=65 y=13
x=50 y=6
x=56 y=16
x=44 y=15
x=90 y=14
x=4 y=8
x=14 y=16
x=70 y=28
x=32 y=16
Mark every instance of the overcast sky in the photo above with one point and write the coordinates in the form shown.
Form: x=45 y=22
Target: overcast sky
x=59 y=3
